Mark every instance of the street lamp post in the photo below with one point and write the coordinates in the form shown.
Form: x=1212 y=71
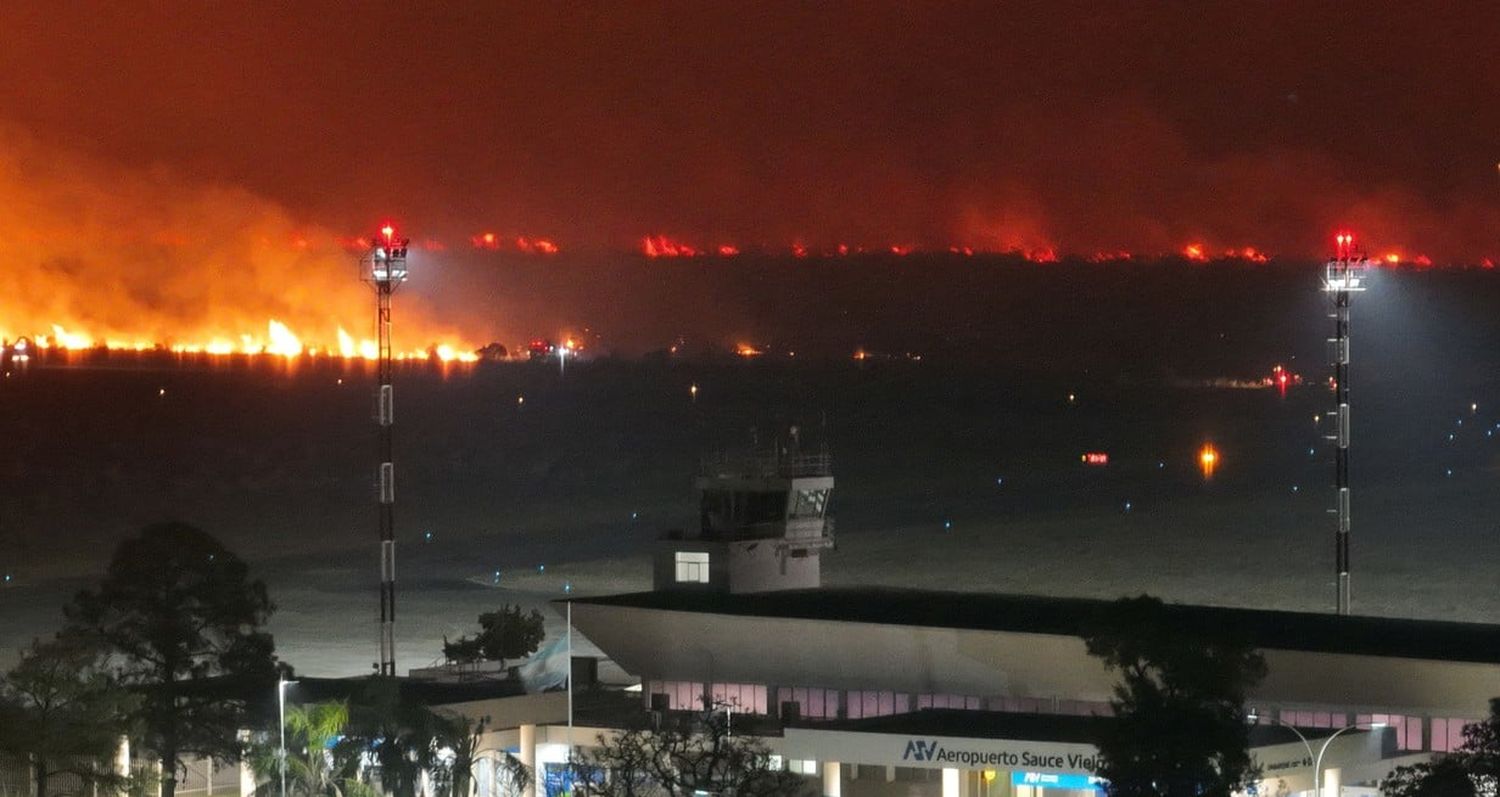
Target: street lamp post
x=1317 y=758
x=281 y=685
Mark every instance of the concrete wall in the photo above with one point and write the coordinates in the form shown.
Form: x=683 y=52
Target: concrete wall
x=757 y=566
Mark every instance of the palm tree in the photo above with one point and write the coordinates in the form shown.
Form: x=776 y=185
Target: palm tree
x=454 y=755
x=314 y=767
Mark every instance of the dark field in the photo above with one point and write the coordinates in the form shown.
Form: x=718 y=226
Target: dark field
x=959 y=470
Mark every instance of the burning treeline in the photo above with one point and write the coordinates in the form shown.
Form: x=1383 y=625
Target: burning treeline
x=105 y=256
x=101 y=255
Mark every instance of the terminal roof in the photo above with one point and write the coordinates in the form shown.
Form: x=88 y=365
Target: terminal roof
x=1276 y=630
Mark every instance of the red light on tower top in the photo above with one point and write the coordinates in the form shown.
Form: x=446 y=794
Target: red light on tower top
x=1345 y=244
x=388 y=231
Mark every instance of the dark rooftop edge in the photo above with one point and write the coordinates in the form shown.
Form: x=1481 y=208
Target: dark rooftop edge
x=1265 y=628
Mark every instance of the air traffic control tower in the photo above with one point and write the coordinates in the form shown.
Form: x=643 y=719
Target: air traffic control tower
x=764 y=524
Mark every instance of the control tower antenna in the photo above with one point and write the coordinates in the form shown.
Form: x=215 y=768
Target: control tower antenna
x=1344 y=276
x=383 y=266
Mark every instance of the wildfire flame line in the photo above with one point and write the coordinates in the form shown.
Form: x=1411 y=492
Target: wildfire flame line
x=278 y=341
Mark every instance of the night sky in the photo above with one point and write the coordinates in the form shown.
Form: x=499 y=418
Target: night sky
x=1079 y=126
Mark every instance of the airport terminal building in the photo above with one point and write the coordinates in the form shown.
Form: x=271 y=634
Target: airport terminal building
x=887 y=692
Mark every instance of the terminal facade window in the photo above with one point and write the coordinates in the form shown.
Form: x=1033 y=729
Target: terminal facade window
x=681 y=695
x=692 y=567
x=812 y=702
x=1412 y=733
x=1407 y=728
x=949 y=701
x=745 y=698
x=1448 y=733
x=874 y=703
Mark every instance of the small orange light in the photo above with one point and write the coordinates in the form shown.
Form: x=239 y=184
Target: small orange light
x=1208 y=460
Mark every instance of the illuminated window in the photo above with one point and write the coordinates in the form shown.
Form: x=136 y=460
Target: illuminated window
x=877 y=704
x=810 y=503
x=814 y=704
x=742 y=698
x=681 y=695
x=692 y=567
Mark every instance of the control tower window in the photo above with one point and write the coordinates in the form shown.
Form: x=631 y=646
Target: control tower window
x=810 y=503
x=727 y=512
x=692 y=567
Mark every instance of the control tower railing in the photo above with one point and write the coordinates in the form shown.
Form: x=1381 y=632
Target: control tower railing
x=767 y=463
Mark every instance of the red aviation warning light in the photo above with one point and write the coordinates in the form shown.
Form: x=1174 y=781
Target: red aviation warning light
x=388 y=231
x=1344 y=244
x=1095 y=458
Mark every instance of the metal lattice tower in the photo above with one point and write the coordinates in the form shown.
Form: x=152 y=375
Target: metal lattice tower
x=384 y=268
x=1343 y=277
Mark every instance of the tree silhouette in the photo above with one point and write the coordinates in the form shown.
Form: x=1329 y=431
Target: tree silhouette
x=689 y=755
x=1474 y=768
x=180 y=615
x=60 y=709
x=1179 y=727
x=505 y=634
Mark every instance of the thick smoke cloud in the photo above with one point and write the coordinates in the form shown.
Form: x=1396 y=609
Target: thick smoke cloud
x=149 y=256
x=212 y=136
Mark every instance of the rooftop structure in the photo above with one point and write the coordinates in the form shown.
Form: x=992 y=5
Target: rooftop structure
x=763 y=524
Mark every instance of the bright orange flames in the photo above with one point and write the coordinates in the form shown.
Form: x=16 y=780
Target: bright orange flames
x=1196 y=251
x=521 y=243
x=278 y=341
x=662 y=246
x=536 y=246
x=747 y=350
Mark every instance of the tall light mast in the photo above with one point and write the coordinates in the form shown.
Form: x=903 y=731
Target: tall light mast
x=1343 y=277
x=384 y=268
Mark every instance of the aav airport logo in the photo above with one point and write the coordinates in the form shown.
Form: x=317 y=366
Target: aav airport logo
x=919 y=750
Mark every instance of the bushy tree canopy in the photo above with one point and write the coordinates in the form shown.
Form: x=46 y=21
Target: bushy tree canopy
x=1179 y=727
x=61 y=710
x=508 y=633
x=1472 y=769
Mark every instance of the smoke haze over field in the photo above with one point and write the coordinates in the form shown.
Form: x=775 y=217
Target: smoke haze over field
x=1079 y=126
